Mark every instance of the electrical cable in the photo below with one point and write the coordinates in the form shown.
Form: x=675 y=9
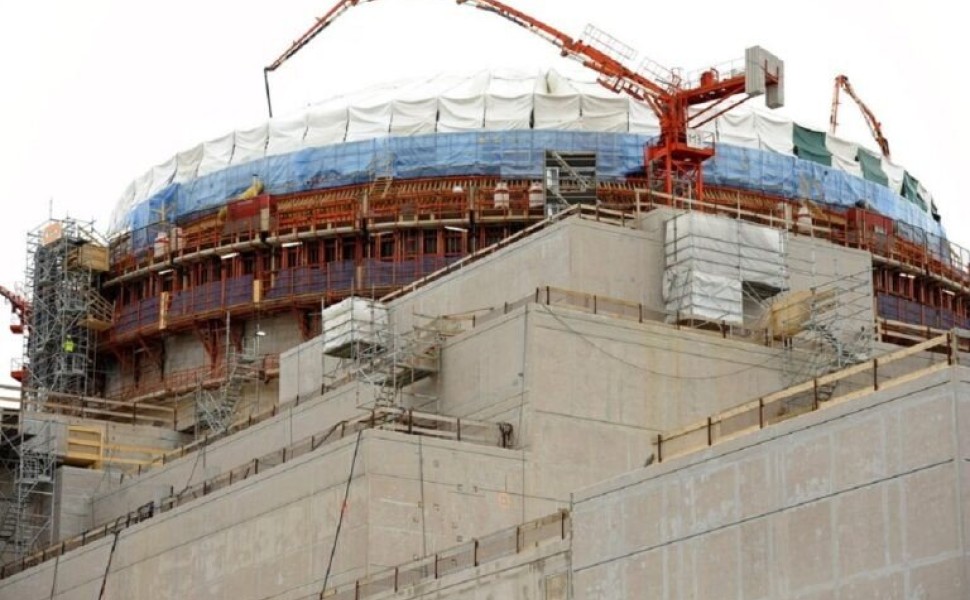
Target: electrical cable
x=343 y=510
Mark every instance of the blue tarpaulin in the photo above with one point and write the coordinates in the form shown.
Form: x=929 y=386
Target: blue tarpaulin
x=510 y=154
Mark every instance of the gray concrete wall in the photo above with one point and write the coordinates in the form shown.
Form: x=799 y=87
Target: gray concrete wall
x=74 y=491
x=867 y=499
x=291 y=425
x=575 y=254
x=270 y=536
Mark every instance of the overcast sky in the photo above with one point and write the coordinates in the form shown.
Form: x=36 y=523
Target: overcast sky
x=97 y=91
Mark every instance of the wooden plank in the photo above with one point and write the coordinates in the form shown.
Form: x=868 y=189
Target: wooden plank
x=847 y=372
x=901 y=354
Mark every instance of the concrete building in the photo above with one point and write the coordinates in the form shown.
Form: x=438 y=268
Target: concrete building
x=465 y=345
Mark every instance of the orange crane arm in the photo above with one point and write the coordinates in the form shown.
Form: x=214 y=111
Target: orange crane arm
x=613 y=74
x=875 y=127
x=322 y=23
x=19 y=306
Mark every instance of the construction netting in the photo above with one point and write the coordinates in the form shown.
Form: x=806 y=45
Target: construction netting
x=501 y=125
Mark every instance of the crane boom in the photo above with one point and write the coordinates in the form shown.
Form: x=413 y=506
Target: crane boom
x=680 y=105
x=322 y=23
x=875 y=127
x=19 y=306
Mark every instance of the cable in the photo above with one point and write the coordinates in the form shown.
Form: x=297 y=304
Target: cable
x=343 y=509
x=107 y=567
x=623 y=361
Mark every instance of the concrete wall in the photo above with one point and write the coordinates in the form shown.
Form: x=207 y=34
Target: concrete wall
x=74 y=491
x=291 y=425
x=867 y=499
x=270 y=536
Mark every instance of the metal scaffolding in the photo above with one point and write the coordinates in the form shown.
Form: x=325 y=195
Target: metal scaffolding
x=64 y=261
x=64 y=314
x=214 y=409
x=361 y=345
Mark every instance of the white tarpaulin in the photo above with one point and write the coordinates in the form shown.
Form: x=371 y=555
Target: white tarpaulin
x=414 y=117
x=285 y=135
x=143 y=186
x=693 y=294
x=216 y=154
x=556 y=111
x=601 y=113
x=775 y=133
x=121 y=215
x=894 y=173
x=250 y=145
x=738 y=129
x=508 y=112
x=162 y=176
x=370 y=122
x=843 y=154
x=727 y=248
x=352 y=321
x=461 y=114
x=187 y=164
x=325 y=126
x=643 y=119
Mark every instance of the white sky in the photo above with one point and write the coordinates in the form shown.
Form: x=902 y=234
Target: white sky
x=97 y=91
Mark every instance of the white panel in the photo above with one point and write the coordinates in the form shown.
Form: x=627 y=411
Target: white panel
x=250 y=145
x=325 y=126
x=414 y=117
x=895 y=174
x=216 y=154
x=843 y=154
x=461 y=114
x=775 y=134
x=557 y=111
x=643 y=119
x=508 y=112
x=285 y=136
x=162 y=176
x=738 y=129
x=187 y=164
x=368 y=123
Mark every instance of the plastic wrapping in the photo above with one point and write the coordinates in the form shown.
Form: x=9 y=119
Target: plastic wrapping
x=353 y=321
x=502 y=124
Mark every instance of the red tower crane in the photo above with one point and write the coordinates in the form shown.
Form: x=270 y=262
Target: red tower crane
x=682 y=105
x=19 y=307
x=875 y=127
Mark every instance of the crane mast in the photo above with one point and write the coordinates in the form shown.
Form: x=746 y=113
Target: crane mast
x=875 y=127
x=681 y=105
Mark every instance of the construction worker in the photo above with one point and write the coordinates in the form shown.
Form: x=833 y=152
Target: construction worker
x=69 y=345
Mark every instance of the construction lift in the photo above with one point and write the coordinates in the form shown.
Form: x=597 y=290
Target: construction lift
x=875 y=127
x=682 y=104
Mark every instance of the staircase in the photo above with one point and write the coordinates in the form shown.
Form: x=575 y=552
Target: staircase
x=215 y=408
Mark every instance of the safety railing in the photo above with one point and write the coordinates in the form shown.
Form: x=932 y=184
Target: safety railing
x=405 y=421
x=479 y=551
x=854 y=382
x=135 y=413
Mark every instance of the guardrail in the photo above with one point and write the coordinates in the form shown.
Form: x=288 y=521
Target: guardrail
x=469 y=555
x=405 y=421
x=861 y=380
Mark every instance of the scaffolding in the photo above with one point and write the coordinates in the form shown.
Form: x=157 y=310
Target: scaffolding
x=361 y=345
x=65 y=259
x=27 y=511
x=215 y=408
x=65 y=312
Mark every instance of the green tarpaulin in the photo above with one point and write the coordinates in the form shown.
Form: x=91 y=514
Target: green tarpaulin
x=810 y=145
x=911 y=190
x=872 y=167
